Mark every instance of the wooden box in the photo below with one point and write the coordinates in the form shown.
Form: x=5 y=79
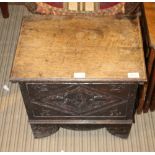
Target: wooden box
x=79 y=72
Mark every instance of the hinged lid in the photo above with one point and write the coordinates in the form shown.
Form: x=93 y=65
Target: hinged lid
x=102 y=48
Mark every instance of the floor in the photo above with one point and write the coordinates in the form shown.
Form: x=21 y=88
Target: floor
x=15 y=131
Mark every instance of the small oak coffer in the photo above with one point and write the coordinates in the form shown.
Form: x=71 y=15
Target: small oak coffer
x=79 y=72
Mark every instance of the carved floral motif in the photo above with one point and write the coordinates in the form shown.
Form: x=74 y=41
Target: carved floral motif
x=77 y=100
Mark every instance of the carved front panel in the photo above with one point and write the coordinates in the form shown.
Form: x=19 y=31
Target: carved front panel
x=108 y=100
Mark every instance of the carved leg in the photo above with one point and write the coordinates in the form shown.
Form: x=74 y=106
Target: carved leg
x=120 y=131
x=43 y=130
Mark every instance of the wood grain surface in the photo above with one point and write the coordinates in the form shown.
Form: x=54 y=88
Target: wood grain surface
x=104 y=48
x=149 y=9
x=16 y=133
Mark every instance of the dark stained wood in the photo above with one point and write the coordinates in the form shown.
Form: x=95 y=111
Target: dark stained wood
x=151 y=80
x=43 y=130
x=120 y=131
x=52 y=49
x=4 y=9
x=79 y=103
x=141 y=97
x=83 y=121
x=79 y=100
x=151 y=86
x=152 y=104
x=150 y=61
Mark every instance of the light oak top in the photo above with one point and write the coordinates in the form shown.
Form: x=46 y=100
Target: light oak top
x=54 y=48
x=149 y=9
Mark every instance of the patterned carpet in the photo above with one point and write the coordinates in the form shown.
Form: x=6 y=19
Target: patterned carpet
x=15 y=131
